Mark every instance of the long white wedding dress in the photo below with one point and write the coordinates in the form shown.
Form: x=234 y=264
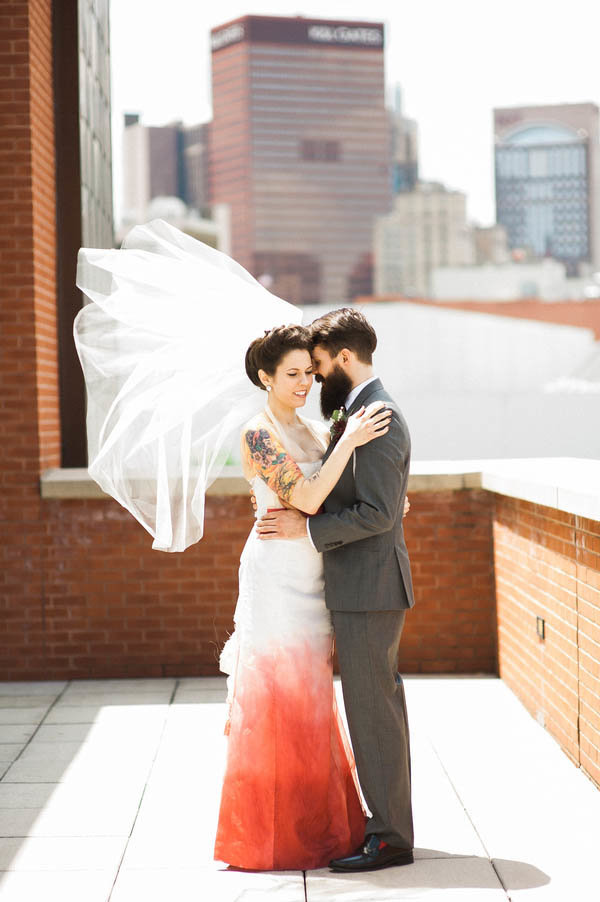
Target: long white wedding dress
x=162 y=345
x=290 y=795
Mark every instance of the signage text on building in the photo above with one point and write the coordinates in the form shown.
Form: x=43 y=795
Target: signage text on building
x=227 y=36
x=343 y=34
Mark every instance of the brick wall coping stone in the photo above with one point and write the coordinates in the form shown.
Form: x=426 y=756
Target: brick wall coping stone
x=565 y=483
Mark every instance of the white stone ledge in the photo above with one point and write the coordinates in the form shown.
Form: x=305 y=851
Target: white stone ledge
x=568 y=484
x=75 y=482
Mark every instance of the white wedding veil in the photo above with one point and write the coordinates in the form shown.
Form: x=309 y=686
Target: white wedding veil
x=162 y=346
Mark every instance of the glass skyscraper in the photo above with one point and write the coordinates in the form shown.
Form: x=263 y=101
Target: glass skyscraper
x=546 y=172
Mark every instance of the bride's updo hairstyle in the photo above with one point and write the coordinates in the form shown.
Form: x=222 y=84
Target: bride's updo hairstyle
x=265 y=353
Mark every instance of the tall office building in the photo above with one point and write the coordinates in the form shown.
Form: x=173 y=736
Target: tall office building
x=404 y=148
x=299 y=149
x=427 y=228
x=547 y=167
x=163 y=161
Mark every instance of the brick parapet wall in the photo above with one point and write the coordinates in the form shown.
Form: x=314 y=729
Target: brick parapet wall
x=451 y=628
x=547 y=565
x=111 y=606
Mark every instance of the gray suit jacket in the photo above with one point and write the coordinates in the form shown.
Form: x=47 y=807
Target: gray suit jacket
x=365 y=558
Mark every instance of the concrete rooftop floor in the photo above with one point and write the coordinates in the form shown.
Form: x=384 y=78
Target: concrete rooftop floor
x=110 y=790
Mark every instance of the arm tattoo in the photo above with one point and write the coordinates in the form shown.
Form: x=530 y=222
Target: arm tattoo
x=272 y=463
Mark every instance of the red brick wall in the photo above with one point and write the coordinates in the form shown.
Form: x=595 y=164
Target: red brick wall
x=452 y=627
x=29 y=423
x=548 y=565
x=111 y=606
x=114 y=607
x=43 y=192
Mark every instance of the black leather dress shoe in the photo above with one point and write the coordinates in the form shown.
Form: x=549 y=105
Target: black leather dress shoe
x=373 y=854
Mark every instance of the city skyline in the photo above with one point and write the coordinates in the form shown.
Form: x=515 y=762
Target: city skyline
x=519 y=67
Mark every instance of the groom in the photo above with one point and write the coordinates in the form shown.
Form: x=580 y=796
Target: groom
x=368 y=585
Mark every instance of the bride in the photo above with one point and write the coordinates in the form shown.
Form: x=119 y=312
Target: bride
x=165 y=403
x=290 y=796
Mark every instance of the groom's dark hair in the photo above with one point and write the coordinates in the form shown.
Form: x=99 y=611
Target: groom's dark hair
x=345 y=328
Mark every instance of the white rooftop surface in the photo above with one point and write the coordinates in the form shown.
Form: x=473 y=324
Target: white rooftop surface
x=110 y=793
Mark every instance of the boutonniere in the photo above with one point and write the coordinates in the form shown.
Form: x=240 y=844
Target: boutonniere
x=338 y=424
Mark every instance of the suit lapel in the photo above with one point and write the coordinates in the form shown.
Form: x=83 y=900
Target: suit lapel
x=358 y=401
x=364 y=394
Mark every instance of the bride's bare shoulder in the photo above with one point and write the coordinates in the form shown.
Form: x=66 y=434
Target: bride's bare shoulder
x=255 y=421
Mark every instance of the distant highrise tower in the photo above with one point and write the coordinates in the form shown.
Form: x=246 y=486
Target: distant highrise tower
x=548 y=180
x=162 y=161
x=404 y=149
x=299 y=149
x=427 y=228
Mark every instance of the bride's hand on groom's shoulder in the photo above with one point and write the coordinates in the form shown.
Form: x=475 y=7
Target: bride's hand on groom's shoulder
x=367 y=424
x=282 y=524
x=406 y=506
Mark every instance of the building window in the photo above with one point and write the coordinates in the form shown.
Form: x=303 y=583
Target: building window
x=317 y=150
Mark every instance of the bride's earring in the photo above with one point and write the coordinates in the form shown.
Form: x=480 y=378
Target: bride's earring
x=268 y=388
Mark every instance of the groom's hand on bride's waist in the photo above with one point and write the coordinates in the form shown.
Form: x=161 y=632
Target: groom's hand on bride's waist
x=282 y=524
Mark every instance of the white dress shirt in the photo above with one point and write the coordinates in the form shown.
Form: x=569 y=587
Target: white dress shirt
x=347 y=404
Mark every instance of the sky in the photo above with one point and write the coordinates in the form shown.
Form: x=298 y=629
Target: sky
x=455 y=61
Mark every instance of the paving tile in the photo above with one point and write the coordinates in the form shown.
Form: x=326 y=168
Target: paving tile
x=24 y=795
x=61 y=771
x=76 y=819
x=56 y=886
x=119 y=686
x=28 y=715
x=159 y=847
x=101 y=733
x=26 y=688
x=73 y=853
x=202 y=682
x=61 y=732
x=97 y=713
x=26 y=701
x=111 y=760
x=50 y=796
x=519 y=788
x=61 y=740
x=56 y=751
x=203 y=696
x=442 y=826
x=524 y=881
x=16 y=732
x=436 y=879
x=150 y=697
x=217 y=884
x=9 y=751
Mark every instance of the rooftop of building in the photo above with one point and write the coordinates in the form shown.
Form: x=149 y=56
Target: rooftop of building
x=112 y=790
x=584 y=314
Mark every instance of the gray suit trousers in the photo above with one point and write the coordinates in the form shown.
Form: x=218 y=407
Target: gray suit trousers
x=367 y=646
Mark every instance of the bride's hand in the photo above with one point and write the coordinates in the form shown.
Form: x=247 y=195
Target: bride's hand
x=367 y=424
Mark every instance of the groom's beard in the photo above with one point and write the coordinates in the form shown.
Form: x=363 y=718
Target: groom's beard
x=335 y=388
